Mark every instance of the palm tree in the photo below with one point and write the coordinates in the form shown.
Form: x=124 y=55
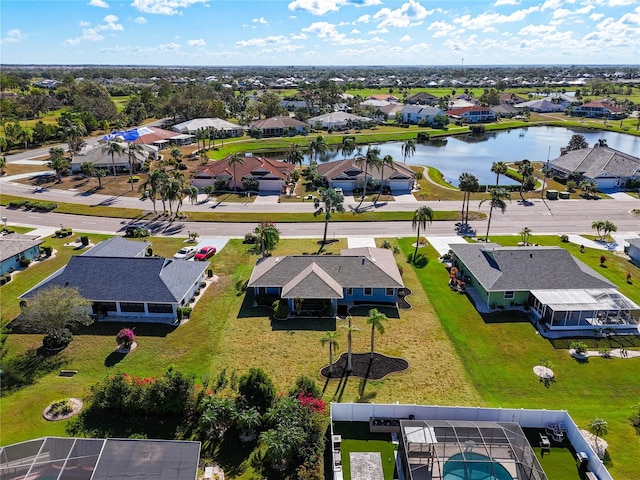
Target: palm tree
x=317 y=147
x=350 y=329
x=88 y=169
x=422 y=217
x=268 y=235
x=234 y=160
x=329 y=202
x=496 y=200
x=598 y=427
x=281 y=444
x=73 y=133
x=375 y=319
x=247 y=420
x=525 y=233
x=468 y=184
x=57 y=162
x=526 y=170
x=113 y=148
x=132 y=150
x=153 y=186
x=191 y=193
x=173 y=190
x=176 y=154
x=332 y=339
x=25 y=135
x=372 y=158
x=589 y=188
x=408 y=149
x=499 y=168
x=387 y=161
x=294 y=154
x=348 y=146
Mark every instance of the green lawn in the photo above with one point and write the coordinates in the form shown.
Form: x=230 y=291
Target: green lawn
x=357 y=438
x=499 y=351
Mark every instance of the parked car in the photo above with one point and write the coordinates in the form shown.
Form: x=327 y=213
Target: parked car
x=185 y=253
x=205 y=253
x=137 y=230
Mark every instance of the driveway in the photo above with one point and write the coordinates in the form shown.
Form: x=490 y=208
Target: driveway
x=266 y=199
x=405 y=197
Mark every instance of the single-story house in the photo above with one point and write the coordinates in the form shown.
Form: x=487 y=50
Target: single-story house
x=475 y=114
x=192 y=126
x=634 y=250
x=101 y=158
x=279 y=126
x=323 y=284
x=609 y=168
x=510 y=98
x=422 y=98
x=598 y=109
x=562 y=291
x=505 y=110
x=148 y=288
x=271 y=174
x=345 y=174
x=383 y=96
x=15 y=247
x=392 y=110
x=119 y=247
x=541 y=106
x=164 y=138
x=338 y=120
x=418 y=113
x=292 y=105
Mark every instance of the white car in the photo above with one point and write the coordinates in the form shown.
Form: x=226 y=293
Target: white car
x=185 y=253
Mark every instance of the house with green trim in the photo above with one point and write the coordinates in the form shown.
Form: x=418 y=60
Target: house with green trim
x=563 y=292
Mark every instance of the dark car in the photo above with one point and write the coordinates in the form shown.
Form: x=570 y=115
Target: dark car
x=205 y=253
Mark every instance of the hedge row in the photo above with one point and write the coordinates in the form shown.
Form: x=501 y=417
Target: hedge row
x=33 y=205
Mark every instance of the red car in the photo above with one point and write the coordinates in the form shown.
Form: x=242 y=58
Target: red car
x=205 y=253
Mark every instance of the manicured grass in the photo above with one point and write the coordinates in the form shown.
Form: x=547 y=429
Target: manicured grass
x=500 y=350
x=357 y=438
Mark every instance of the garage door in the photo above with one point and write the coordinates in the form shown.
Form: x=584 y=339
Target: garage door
x=270 y=185
x=347 y=186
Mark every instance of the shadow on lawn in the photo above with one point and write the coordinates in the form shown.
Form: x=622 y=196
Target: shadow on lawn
x=25 y=369
x=112 y=329
x=506 y=317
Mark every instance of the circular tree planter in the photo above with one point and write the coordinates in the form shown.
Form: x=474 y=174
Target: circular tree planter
x=56 y=412
x=125 y=350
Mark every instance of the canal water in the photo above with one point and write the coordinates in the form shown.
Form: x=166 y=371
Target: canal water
x=476 y=153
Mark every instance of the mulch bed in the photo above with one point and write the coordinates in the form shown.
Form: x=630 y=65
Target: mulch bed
x=363 y=366
x=402 y=300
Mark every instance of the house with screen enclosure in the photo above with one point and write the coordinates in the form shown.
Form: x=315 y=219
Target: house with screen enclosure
x=563 y=292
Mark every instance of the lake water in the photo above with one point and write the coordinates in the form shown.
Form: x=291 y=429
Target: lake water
x=475 y=154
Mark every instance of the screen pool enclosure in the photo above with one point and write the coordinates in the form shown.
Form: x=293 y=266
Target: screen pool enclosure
x=466 y=450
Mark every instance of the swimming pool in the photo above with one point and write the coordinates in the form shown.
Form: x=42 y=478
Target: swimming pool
x=474 y=466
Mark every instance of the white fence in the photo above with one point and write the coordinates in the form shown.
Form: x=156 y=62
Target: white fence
x=361 y=412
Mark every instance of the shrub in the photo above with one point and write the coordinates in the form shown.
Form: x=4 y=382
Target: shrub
x=250 y=238
x=306 y=387
x=5 y=278
x=134 y=179
x=125 y=338
x=47 y=250
x=84 y=239
x=477 y=129
x=564 y=238
x=635 y=417
x=64 y=232
x=203 y=284
x=25 y=262
x=257 y=390
x=59 y=408
x=280 y=308
x=17 y=203
x=579 y=347
x=184 y=312
x=51 y=342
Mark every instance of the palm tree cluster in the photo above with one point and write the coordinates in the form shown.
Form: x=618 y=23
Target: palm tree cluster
x=57 y=162
x=604 y=228
x=468 y=184
x=168 y=187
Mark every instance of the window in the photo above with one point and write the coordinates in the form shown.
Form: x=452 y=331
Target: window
x=132 y=307
x=349 y=291
x=509 y=295
x=160 y=308
x=368 y=291
x=390 y=292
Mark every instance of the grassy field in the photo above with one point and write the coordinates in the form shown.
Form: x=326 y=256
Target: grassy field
x=499 y=351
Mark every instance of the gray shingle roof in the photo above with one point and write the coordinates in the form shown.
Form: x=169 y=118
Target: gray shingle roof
x=526 y=268
x=16 y=243
x=118 y=247
x=347 y=169
x=313 y=275
x=598 y=162
x=139 y=279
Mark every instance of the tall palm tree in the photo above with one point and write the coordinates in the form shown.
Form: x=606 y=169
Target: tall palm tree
x=57 y=162
x=332 y=339
x=599 y=428
x=375 y=319
x=294 y=154
x=348 y=146
x=153 y=186
x=73 y=133
x=387 y=161
x=497 y=201
x=499 y=168
x=350 y=329
x=526 y=170
x=132 y=150
x=317 y=147
x=371 y=159
x=234 y=160
x=469 y=185
x=329 y=202
x=525 y=233
x=408 y=149
x=191 y=193
x=422 y=217
x=268 y=235
x=113 y=148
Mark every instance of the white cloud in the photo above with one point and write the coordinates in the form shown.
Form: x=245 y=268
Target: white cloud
x=98 y=3
x=551 y=4
x=621 y=3
x=164 y=7
x=408 y=15
x=111 y=23
x=169 y=47
x=83 y=23
x=363 y=19
x=322 y=7
x=499 y=3
x=140 y=20
x=596 y=16
x=537 y=30
x=355 y=31
x=196 y=43
x=299 y=36
x=324 y=30
x=263 y=42
x=441 y=29
x=14 y=36
x=260 y=20
x=561 y=13
x=93 y=34
x=485 y=20
x=406 y=38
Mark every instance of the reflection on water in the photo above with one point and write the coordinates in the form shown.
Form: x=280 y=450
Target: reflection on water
x=475 y=153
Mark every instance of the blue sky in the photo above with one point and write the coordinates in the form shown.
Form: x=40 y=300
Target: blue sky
x=320 y=32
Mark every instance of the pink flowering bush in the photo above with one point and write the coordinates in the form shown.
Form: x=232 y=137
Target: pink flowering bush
x=125 y=338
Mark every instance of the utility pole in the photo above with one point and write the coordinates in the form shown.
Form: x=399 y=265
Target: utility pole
x=544 y=173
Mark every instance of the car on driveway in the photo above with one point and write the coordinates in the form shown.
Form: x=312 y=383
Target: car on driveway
x=205 y=253
x=185 y=253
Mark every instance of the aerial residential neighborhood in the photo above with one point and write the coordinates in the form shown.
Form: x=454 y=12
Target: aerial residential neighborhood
x=324 y=240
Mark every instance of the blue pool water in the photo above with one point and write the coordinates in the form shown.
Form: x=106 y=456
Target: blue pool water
x=474 y=466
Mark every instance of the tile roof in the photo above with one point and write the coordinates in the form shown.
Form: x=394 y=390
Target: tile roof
x=258 y=167
x=16 y=243
x=348 y=170
x=324 y=276
x=127 y=279
x=598 y=162
x=118 y=247
x=278 y=122
x=526 y=268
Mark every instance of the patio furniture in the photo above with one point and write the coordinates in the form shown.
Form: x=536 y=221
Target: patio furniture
x=545 y=444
